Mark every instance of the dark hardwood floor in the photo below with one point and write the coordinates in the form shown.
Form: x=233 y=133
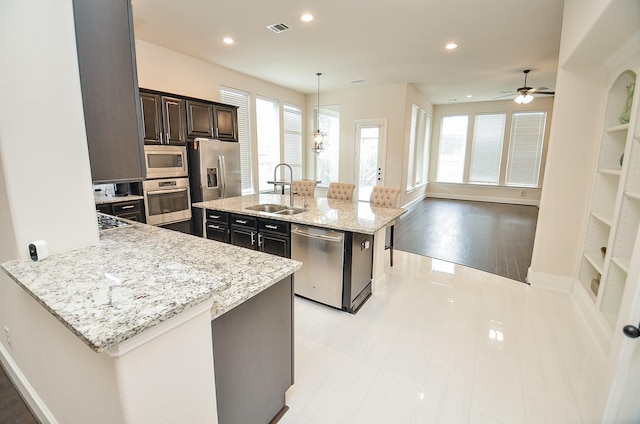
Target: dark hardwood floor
x=13 y=410
x=493 y=237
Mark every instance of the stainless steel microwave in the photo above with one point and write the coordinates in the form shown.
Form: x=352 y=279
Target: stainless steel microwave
x=165 y=161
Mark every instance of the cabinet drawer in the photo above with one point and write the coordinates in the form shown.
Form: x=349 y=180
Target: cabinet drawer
x=244 y=221
x=126 y=207
x=216 y=231
x=217 y=216
x=104 y=208
x=273 y=226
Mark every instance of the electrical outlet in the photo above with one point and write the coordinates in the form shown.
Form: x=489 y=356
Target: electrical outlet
x=7 y=333
x=521 y=193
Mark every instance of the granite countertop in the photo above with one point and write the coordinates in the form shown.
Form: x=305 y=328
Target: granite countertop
x=139 y=276
x=357 y=217
x=101 y=200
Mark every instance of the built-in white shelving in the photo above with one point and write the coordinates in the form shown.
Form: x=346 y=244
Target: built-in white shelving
x=614 y=215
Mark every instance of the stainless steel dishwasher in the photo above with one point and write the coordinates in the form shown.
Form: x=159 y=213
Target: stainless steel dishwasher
x=322 y=253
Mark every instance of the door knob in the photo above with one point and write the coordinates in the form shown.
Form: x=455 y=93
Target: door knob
x=631 y=331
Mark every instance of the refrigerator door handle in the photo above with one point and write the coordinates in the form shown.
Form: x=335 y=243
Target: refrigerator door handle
x=223 y=177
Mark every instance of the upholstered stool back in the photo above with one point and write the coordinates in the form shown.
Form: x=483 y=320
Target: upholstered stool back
x=384 y=196
x=341 y=191
x=304 y=188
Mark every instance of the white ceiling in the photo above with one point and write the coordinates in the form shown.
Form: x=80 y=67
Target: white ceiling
x=379 y=41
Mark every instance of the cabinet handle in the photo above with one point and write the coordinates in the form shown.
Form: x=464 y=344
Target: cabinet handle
x=260 y=240
x=160 y=137
x=128 y=207
x=253 y=239
x=214 y=216
x=215 y=227
x=271 y=227
x=167 y=138
x=241 y=221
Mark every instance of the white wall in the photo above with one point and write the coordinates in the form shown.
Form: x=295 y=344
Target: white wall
x=486 y=192
x=45 y=193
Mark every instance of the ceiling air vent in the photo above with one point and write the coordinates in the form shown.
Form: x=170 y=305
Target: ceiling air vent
x=278 y=28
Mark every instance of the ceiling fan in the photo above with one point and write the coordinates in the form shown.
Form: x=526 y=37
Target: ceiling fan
x=525 y=93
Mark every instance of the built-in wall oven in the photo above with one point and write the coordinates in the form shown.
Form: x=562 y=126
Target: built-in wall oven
x=167 y=200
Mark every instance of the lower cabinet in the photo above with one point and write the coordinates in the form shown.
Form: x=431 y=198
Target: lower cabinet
x=132 y=210
x=253 y=356
x=267 y=235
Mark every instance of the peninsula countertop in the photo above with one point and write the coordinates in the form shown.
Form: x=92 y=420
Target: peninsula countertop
x=357 y=217
x=139 y=276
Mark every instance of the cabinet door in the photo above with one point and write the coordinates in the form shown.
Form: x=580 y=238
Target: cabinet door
x=151 y=118
x=244 y=238
x=109 y=84
x=274 y=244
x=199 y=119
x=217 y=232
x=173 y=115
x=226 y=123
x=104 y=208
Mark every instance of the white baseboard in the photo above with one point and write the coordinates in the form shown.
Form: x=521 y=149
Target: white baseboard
x=549 y=281
x=415 y=201
x=509 y=200
x=37 y=406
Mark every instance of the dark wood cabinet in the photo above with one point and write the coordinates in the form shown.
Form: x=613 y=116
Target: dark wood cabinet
x=199 y=119
x=267 y=235
x=108 y=80
x=163 y=117
x=217 y=225
x=132 y=210
x=225 y=122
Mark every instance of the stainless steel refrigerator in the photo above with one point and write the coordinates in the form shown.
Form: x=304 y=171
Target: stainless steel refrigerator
x=214 y=173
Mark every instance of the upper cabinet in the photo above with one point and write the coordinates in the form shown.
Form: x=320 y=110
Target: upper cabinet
x=174 y=119
x=163 y=119
x=108 y=79
x=199 y=119
x=226 y=122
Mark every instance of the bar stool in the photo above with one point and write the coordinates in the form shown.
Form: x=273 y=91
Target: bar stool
x=304 y=188
x=340 y=191
x=386 y=197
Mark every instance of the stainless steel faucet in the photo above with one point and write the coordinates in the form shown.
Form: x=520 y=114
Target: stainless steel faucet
x=275 y=181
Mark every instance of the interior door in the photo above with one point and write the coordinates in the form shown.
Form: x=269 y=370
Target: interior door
x=370 y=154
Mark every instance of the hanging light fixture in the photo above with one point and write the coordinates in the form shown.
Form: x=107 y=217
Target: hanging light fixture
x=318 y=136
x=523 y=98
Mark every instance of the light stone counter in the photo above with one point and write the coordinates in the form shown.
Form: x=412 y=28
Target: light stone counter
x=357 y=217
x=139 y=276
x=104 y=199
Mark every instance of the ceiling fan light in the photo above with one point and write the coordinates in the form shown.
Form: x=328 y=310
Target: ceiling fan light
x=527 y=99
x=519 y=99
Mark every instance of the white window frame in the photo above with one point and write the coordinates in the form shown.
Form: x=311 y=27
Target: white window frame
x=268 y=140
x=329 y=117
x=441 y=149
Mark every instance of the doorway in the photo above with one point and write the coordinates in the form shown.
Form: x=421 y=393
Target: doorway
x=370 y=153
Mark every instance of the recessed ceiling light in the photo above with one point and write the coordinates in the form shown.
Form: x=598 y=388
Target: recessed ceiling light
x=469 y=96
x=306 y=17
x=227 y=40
x=451 y=46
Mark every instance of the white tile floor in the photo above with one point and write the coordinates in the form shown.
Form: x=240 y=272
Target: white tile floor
x=442 y=343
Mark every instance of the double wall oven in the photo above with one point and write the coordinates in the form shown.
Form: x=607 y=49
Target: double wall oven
x=166 y=190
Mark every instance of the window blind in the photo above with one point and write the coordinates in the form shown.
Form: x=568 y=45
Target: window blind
x=241 y=99
x=486 y=153
x=293 y=139
x=525 y=149
x=452 y=149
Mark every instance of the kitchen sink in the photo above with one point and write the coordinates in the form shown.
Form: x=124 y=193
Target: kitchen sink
x=267 y=207
x=290 y=211
x=275 y=209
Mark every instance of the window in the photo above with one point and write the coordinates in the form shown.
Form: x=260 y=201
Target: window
x=417 y=170
x=268 y=129
x=328 y=161
x=525 y=149
x=486 y=153
x=241 y=99
x=293 y=139
x=451 y=152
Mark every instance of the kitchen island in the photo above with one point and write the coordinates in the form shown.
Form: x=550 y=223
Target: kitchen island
x=145 y=300
x=353 y=218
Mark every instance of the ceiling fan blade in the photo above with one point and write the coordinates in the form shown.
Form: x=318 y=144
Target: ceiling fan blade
x=506 y=95
x=538 y=89
x=545 y=92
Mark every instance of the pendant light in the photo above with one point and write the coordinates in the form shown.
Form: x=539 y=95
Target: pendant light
x=318 y=136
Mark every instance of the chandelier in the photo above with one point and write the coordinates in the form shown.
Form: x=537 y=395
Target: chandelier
x=318 y=136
